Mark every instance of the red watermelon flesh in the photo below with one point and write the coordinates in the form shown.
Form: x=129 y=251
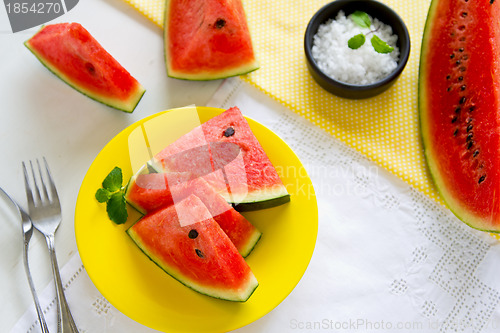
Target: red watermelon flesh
x=71 y=53
x=199 y=255
x=459 y=104
x=207 y=39
x=149 y=192
x=248 y=181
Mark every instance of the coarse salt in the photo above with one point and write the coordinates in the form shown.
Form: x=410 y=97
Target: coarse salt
x=354 y=66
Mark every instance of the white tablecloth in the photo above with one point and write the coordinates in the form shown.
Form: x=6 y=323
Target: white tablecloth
x=387 y=258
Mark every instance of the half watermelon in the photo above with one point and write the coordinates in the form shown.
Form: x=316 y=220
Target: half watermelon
x=240 y=170
x=71 y=53
x=189 y=245
x=459 y=106
x=207 y=39
x=150 y=192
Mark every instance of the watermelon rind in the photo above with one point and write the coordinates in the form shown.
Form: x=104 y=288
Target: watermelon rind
x=201 y=75
x=461 y=211
x=128 y=105
x=263 y=199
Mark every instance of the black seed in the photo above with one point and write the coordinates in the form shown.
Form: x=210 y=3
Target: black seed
x=460 y=78
x=457 y=110
x=457 y=62
x=448 y=89
x=468 y=120
x=456 y=132
x=452 y=56
x=193 y=234
x=462 y=69
x=461 y=49
x=469 y=128
x=199 y=253
x=469 y=137
x=475 y=153
x=220 y=23
x=90 y=68
x=462 y=87
x=491 y=1
x=483 y=177
x=454 y=119
x=464 y=14
x=461 y=28
x=229 y=132
x=462 y=100
x=469 y=145
x=472 y=108
x=448 y=77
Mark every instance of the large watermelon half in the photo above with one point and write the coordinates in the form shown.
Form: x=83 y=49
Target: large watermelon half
x=189 y=245
x=207 y=39
x=240 y=170
x=70 y=52
x=459 y=106
x=153 y=191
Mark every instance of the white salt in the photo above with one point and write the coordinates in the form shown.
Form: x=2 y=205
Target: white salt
x=355 y=66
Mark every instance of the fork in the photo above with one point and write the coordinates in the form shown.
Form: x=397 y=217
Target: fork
x=27 y=227
x=45 y=212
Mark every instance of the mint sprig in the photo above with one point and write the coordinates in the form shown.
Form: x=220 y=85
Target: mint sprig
x=113 y=194
x=363 y=20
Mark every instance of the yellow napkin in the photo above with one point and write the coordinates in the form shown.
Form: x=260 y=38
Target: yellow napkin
x=383 y=128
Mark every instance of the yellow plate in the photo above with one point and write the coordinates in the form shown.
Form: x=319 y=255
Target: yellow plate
x=145 y=293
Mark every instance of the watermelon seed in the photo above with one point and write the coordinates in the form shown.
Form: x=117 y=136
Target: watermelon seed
x=475 y=153
x=199 y=253
x=461 y=49
x=229 y=132
x=454 y=119
x=464 y=14
x=90 y=68
x=469 y=137
x=457 y=62
x=491 y=1
x=220 y=23
x=462 y=87
x=457 y=110
x=193 y=234
x=469 y=145
x=452 y=56
x=448 y=89
x=469 y=120
x=472 y=108
x=448 y=77
x=481 y=179
x=461 y=28
x=460 y=78
x=462 y=69
x=462 y=100
x=456 y=132
x=469 y=128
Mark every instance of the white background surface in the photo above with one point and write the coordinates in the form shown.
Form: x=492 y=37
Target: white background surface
x=387 y=258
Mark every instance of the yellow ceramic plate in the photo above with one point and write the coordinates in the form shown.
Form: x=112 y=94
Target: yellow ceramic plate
x=145 y=293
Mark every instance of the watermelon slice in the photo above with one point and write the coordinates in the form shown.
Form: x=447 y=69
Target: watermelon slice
x=249 y=181
x=150 y=192
x=207 y=39
x=189 y=245
x=459 y=106
x=70 y=52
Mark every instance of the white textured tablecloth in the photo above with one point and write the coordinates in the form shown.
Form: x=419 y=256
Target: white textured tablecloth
x=387 y=258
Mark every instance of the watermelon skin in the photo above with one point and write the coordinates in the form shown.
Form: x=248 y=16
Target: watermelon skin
x=459 y=107
x=209 y=263
x=150 y=192
x=71 y=53
x=254 y=182
x=207 y=40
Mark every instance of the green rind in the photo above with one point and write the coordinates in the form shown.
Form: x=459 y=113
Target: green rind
x=262 y=203
x=125 y=107
x=463 y=215
x=250 y=245
x=206 y=292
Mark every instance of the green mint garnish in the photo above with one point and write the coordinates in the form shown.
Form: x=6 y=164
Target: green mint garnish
x=380 y=46
x=356 y=42
x=363 y=20
x=113 y=194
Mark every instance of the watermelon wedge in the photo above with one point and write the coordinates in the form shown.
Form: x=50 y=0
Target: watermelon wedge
x=207 y=39
x=189 y=245
x=244 y=175
x=71 y=53
x=150 y=192
x=459 y=107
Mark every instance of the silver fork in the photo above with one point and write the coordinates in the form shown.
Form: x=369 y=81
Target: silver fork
x=45 y=212
x=27 y=227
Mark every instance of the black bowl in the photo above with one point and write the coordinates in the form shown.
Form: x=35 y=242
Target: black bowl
x=376 y=10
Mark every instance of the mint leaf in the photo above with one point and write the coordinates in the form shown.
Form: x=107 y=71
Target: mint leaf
x=113 y=181
x=356 y=42
x=380 y=46
x=117 y=208
x=102 y=195
x=361 y=18
x=113 y=194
